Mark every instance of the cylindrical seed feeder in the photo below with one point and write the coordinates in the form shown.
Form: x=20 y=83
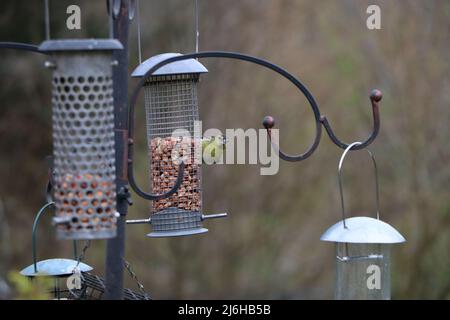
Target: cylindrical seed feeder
x=83 y=137
x=362 y=251
x=171 y=111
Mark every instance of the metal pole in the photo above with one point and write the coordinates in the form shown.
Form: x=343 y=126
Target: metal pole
x=115 y=249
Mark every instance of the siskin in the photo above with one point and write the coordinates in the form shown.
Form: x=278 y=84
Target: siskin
x=212 y=149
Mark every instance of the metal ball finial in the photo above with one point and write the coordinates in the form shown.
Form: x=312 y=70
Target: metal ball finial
x=376 y=95
x=268 y=122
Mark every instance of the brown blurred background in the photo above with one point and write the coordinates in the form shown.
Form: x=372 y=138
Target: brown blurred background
x=269 y=245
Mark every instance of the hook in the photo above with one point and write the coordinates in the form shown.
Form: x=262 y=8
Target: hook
x=375 y=97
x=131 y=180
x=269 y=122
x=151 y=196
x=50 y=182
x=33 y=232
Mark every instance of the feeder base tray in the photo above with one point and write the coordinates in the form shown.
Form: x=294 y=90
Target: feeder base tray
x=86 y=235
x=177 y=233
x=176 y=222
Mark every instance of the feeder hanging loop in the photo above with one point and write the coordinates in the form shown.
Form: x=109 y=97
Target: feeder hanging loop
x=33 y=233
x=353 y=146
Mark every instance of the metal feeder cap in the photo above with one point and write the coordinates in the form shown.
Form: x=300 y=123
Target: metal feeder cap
x=362 y=230
x=55 y=268
x=80 y=45
x=188 y=66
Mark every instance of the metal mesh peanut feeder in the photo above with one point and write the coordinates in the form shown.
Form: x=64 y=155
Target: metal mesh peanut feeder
x=83 y=137
x=171 y=111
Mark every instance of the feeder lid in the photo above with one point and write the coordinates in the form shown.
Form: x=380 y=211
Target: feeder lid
x=80 y=45
x=177 y=67
x=362 y=230
x=55 y=267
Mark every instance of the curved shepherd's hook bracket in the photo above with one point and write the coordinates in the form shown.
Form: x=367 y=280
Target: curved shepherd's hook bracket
x=268 y=65
x=269 y=121
x=131 y=180
x=20 y=46
x=375 y=97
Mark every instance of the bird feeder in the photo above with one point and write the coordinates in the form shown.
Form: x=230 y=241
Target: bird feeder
x=171 y=109
x=362 y=250
x=83 y=137
x=58 y=269
x=72 y=279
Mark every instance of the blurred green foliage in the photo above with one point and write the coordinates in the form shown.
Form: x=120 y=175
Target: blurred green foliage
x=37 y=288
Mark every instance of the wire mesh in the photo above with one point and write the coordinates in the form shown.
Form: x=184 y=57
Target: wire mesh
x=171 y=111
x=92 y=288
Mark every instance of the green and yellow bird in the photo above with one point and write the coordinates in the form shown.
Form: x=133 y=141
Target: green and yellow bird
x=212 y=149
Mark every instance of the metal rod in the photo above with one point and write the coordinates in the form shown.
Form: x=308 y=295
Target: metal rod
x=57 y=291
x=375 y=97
x=360 y=258
x=197 y=32
x=115 y=248
x=214 y=216
x=75 y=249
x=20 y=46
x=139 y=221
x=138 y=22
x=33 y=233
x=110 y=18
x=47 y=20
x=341 y=189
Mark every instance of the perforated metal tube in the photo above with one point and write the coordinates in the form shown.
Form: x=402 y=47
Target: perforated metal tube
x=83 y=140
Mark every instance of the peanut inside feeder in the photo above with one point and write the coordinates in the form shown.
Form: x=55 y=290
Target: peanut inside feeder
x=165 y=154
